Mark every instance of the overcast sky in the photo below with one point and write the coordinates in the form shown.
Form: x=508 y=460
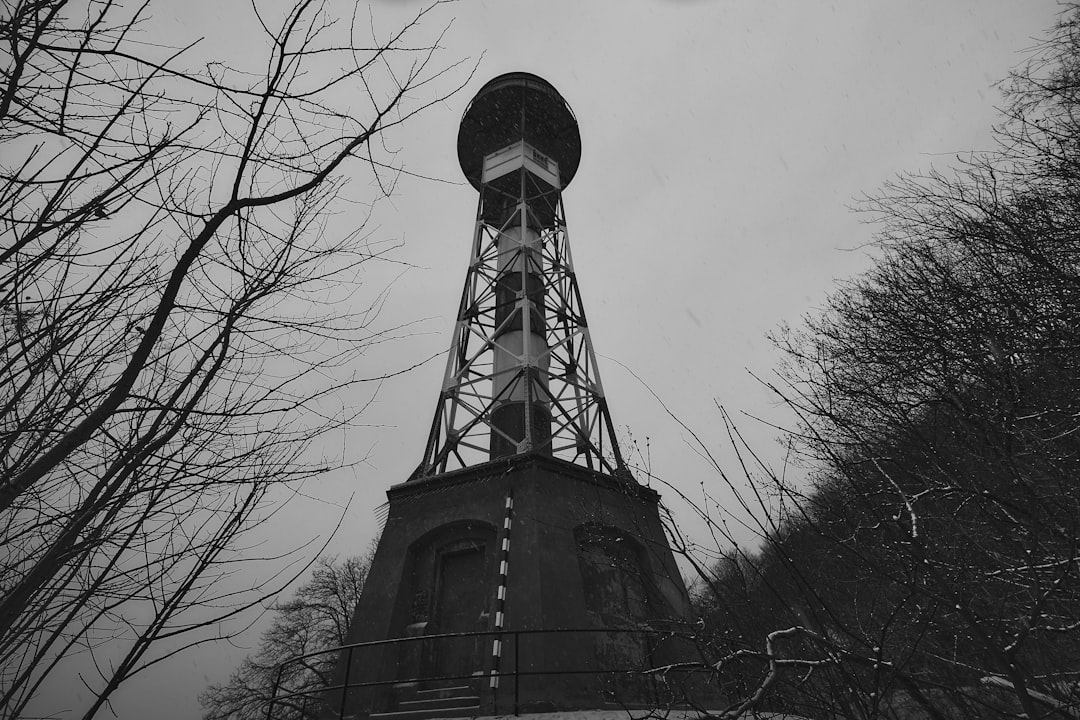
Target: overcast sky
x=723 y=145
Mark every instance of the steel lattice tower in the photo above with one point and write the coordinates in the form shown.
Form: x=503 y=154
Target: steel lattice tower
x=521 y=376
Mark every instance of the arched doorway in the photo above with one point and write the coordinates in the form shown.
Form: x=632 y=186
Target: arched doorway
x=451 y=588
x=460 y=605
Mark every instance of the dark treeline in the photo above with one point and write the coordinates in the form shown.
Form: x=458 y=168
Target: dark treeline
x=930 y=568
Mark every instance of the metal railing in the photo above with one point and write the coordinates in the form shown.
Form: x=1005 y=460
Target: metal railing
x=332 y=699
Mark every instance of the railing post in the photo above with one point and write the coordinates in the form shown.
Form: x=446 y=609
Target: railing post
x=345 y=683
x=273 y=692
x=517 y=655
x=496 y=679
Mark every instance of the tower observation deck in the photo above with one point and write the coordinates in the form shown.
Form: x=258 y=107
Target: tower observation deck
x=521 y=375
x=513 y=108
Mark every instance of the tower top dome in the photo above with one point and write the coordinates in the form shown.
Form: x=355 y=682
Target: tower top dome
x=513 y=107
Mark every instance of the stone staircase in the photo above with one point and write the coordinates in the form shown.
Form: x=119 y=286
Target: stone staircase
x=448 y=701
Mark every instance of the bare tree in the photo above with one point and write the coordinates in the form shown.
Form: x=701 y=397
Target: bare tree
x=315 y=619
x=171 y=332
x=929 y=568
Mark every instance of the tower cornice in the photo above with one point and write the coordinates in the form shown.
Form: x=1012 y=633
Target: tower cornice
x=519 y=463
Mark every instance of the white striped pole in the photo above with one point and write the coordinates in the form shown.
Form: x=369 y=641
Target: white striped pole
x=500 y=598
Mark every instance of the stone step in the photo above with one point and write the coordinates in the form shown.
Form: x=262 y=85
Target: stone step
x=444 y=692
x=429 y=714
x=439 y=703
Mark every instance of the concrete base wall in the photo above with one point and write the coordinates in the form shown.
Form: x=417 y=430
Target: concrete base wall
x=454 y=524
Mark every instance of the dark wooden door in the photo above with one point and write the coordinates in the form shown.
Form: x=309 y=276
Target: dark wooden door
x=458 y=606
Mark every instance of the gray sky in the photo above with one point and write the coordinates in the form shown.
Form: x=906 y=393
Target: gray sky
x=724 y=142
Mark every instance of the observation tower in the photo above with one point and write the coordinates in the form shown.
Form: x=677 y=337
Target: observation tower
x=522 y=568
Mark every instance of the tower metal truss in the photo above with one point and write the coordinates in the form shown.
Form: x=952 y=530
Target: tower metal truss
x=521 y=376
